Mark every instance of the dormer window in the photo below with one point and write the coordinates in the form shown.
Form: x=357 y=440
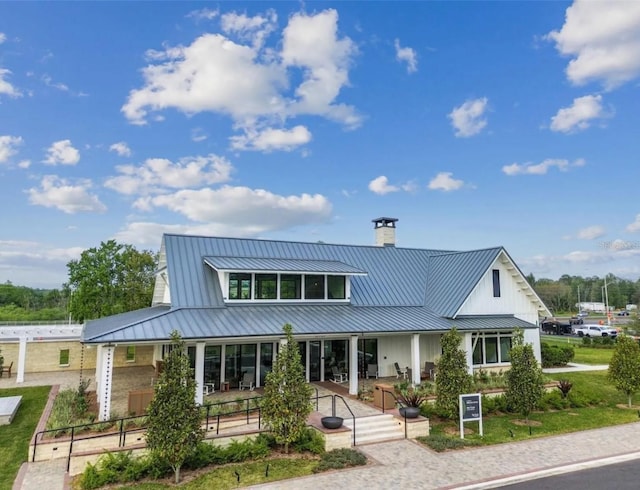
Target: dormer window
x=290 y=286
x=336 y=287
x=314 y=287
x=266 y=286
x=239 y=286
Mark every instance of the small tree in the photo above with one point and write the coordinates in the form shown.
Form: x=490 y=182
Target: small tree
x=525 y=381
x=286 y=404
x=624 y=368
x=453 y=377
x=173 y=417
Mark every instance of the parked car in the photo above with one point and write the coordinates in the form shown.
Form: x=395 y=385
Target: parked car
x=583 y=314
x=623 y=313
x=555 y=327
x=576 y=320
x=596 y=331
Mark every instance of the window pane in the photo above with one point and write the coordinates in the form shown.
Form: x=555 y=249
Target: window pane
x=505 y=347
x=477 y=353
x=496 y=283
x=290 y=286
x=336 y=285
x=212 y=363
x=131 y=353
x=491 y=346
x=266 y=286
x=239 y=286
x=313 y=287
x=64 y=357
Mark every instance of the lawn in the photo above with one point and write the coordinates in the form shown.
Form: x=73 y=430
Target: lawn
x=15 y=437
x=584 y=354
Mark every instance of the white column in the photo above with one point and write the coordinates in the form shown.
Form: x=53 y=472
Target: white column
x=200 y=372
x=106 y=380
x=22 y=359
x=468 y=347
x=223 y=367
x=98 y=371
x=353 y=366
x=415 y=359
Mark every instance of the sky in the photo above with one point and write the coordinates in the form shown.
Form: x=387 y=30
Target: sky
x=475 y=124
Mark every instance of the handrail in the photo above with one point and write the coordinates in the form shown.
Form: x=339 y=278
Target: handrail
x=404 y=414
x=353 y=417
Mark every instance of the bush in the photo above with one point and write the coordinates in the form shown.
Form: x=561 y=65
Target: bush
x=554 y=400
x=339 y=459
x=493 y=404
x=311 y=441
x=556 y=355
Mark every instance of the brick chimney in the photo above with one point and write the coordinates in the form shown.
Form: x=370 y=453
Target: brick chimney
x=385 y=231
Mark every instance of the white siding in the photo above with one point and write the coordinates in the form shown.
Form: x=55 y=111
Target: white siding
x=513 y=298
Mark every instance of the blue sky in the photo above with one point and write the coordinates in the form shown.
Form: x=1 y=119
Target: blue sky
x=475 y=124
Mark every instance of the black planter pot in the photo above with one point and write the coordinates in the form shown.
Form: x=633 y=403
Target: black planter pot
x=332 y=422
x=410 y=412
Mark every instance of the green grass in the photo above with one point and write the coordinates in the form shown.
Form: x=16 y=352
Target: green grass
x=250 y=474
x=584 y=355
x=15 y=437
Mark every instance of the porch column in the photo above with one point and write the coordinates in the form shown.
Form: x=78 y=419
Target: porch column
x=106 y=379
x=467 y=344
x=353 y=366
x=22 y=359
x=415 y=359
x=200 y=372
x=98 y=371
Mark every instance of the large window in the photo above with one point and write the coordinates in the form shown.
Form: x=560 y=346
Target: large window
x=239 y=286
x=491 y=348
x=238 y=360
x=266 y=286
x=336 y=287
x=496 y=283
x=290 y=286
x=313 y=287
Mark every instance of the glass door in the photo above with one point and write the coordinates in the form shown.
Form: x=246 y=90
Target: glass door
x=314 y=360
x=266 y=361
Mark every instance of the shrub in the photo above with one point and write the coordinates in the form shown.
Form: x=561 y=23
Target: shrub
x=564 y=385
x=493 y=404
x=553 y=401
x=556 y=355
x=311 y=441
x=340 y=458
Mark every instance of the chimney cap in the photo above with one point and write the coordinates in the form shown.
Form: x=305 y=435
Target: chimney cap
x=384 y=221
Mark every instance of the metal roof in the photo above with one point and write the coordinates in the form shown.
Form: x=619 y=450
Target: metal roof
x=281 y=265
x=102 y=326
x=254 y=321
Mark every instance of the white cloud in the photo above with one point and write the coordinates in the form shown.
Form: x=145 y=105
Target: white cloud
x=445 y=182
x=406 y=55
x=541 y=168
x=272 y=139
x=58 y=193
x=121 y=148
x=635 y=226
x=48 y=81
x=204 y=14
x=5 y=87
x=603 y=40
x=198 y=135
x=62 y=152
x=8 y=146
x=251 y=211
x=250 y=83
x=579 y=115
x=24 y=163
x=3 y=37
x=380 y=185
x=158 y=174
x=591 y=232
x=467 y=119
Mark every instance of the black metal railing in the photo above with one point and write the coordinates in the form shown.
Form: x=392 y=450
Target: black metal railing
x=398 y=402
x=353 y=417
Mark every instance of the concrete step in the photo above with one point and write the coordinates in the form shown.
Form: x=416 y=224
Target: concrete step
x=376 y=428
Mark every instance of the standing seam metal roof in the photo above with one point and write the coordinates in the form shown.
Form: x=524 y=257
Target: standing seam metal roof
x=281 y=265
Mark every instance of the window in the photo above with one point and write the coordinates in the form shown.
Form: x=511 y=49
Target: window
x=239 y=286
x=336 y=287
x=491 y=348
x=290 y=286
x=64 y=357
x=266 y=286
x=496 y=283
x=313 y=287
x=131 y=353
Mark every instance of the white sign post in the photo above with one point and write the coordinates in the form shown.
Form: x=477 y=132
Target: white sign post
x=470 y=410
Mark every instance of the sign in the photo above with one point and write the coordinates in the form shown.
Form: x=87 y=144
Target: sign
x=470 y=410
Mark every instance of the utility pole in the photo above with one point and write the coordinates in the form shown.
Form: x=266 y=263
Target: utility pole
x=606 y=296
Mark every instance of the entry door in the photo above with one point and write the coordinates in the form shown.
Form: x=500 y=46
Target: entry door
x=314 y=360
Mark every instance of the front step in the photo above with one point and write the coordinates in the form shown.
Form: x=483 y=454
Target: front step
x=376 y=428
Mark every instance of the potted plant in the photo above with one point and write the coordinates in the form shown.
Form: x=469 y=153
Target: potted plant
x=410 y=398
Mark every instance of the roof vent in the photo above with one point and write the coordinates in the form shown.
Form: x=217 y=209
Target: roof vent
x=385 y=231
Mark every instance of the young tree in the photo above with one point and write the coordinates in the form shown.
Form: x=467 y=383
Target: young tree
x=286 y=404
x=525 y=381
x=111 y=279
x=173 y=417
x=453 y=377
x=624 y=367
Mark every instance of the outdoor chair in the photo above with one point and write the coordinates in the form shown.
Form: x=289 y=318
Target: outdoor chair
x=338 y=377
x=399 y=372
x=429 y=370
x=209 y=388
x=372 y=371
x=247 y=382
x=409 y=373
x=6 y=369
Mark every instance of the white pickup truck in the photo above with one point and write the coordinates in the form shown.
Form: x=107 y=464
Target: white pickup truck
x=595 y=331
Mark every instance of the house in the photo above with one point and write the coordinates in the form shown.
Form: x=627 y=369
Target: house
x=349 y=305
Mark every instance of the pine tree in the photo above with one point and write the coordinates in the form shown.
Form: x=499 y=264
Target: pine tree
x=525 y=381
x=174 y=420
x=624 y=368
x=286 y=404
x=453 y=377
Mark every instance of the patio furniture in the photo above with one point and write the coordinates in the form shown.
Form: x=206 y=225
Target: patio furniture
x=399 y=372
x=429 y=370
x=409 y=373
x=6 y=369
x=247 y=382
x=372 y=371
x=338 y=377
x=209 y=388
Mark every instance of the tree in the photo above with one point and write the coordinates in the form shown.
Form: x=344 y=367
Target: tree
x=525 y=381
x=453 y=377
x=624 y=367
x=113 y=278
x=173 y=416
x=286 y=404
